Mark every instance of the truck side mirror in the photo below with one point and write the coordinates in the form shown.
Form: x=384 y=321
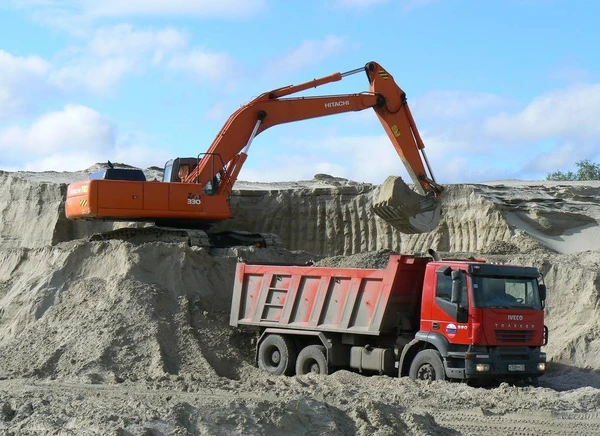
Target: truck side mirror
x=456 y=286
x=542 y=289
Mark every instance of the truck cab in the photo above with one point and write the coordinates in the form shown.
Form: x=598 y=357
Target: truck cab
x=484 y=320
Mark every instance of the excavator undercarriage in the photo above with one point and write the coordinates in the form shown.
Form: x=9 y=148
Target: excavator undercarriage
x=191 y=237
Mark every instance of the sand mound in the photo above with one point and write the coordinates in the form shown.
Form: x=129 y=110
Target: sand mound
x=333 y=216
x=109 y=311
x=121 y=338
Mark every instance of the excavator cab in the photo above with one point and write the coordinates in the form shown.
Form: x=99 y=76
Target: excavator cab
x=175 y=169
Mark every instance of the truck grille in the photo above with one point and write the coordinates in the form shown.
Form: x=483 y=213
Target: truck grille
x=514 y=357
x=514 y=335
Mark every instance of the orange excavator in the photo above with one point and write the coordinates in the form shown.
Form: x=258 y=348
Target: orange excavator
x=194 y=192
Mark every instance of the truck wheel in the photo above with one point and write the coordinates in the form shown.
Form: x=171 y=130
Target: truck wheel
x=427 y=365
x=312 y=359
x=277 y=355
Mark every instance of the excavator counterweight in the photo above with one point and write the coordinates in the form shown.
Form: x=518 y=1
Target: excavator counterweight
x=194 y=193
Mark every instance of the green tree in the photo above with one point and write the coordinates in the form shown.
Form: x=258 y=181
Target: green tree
x=586 y=170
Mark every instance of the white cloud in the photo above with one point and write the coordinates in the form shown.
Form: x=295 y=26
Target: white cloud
x=561 y=157
x=98 y=77
x=137 y=154
x=13 y=68
x=371 y=159
x=76 y=160
x=310 y=52
x=565 y=113
x=367 y=158
x=21 y=81
x=74 y=139
x=289 y=168
x=474 y=149
x=75 y=128
x=115 y=52
x=124 y=40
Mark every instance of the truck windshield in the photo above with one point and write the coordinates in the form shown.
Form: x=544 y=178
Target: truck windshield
x=506 y=292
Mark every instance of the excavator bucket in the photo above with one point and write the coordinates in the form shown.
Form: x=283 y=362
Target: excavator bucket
x=405 y=209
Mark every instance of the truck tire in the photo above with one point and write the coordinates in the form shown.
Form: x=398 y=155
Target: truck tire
x=427 y=365
x=277 y=355
x=312 y=359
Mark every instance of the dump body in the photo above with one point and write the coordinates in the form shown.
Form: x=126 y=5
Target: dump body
x=345 y=300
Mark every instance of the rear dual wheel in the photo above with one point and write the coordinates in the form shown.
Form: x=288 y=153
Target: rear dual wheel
x=277 y=355
x=312 y=359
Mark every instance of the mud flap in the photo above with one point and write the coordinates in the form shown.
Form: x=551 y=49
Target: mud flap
x=405 y=209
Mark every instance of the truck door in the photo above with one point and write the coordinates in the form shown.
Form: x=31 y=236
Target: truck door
x=450 y=319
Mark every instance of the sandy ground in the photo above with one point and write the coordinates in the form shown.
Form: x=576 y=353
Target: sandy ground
x=119 y=338
x=343 y=403
x=133 y=339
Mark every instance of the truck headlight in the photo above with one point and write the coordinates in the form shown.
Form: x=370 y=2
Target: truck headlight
x=541 y=366
x=482 y=367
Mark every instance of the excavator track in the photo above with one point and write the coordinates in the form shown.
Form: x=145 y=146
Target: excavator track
x=404 y=209
x=191 y=237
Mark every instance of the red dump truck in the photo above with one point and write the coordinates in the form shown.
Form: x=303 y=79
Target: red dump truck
x=424 y=317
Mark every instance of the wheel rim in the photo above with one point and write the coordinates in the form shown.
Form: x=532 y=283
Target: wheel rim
x=311 y=366
x=275 y=357
x=426 y=372
x=272 y=358
x=314 y=367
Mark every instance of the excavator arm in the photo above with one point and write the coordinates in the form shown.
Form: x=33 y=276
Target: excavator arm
x=270 y=109
x=396 y=204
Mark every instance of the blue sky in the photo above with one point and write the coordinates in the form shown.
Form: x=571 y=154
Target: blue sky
x=499 y=89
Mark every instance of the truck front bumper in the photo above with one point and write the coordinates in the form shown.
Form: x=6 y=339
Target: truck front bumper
x=505 y=363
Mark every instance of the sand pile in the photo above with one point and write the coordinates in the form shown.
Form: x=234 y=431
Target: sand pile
x=121 y=338
x=111 y=310
x=108 y=311
x=336 y=216
x=117 y=338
